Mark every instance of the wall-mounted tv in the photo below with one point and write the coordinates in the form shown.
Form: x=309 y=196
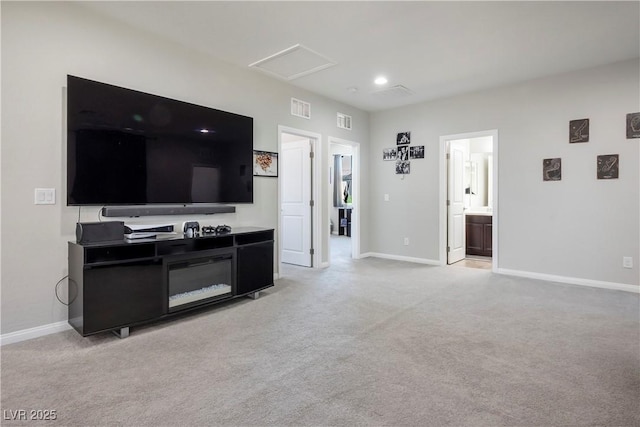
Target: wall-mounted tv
x=126 y=147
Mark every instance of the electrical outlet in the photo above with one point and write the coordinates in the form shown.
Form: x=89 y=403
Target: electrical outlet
x=627 y=262
x=386 y=197
x=406 y=241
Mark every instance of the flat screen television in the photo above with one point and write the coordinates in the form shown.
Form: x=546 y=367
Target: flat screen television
x=126 y=147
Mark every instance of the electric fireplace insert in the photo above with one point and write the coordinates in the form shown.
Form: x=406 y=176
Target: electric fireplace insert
x=195 y=281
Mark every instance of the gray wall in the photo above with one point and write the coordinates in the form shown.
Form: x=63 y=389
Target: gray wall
x=41 y=44
x=579 y=227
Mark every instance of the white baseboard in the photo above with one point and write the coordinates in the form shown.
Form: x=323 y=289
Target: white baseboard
x=570 y=280
x=519 y=273
x=400 y=258
x=38 y=331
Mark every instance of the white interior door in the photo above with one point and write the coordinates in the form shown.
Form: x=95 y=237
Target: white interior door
x=296 y=208
x=458 y=154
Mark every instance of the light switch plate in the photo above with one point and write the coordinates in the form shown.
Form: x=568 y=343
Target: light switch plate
x=627 y=262
x=45 y=196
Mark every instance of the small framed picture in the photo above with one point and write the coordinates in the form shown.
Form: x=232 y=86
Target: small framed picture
x=579 y=131
x=403 y=167
x=416 y=152
x=403 y=138
x=403 y=153
x=552 y=169
x=608 y=166
x=265 y=163
x=389 y=153
x=633 y=125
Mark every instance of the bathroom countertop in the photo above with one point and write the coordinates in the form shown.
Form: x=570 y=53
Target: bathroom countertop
x=470 y=212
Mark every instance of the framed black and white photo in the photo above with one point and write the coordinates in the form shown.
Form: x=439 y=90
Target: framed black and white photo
x=633 y=125
x=416 y=152
x=403 y=167
x=403 y=138
x=552 y=169
x=389 y=153
x=579 y=131
x=608 y=166
x=265 y=163
x=402 y=153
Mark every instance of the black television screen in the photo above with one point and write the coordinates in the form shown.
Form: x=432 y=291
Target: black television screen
x=128 y=147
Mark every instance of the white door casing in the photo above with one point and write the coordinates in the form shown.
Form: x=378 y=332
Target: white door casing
x=296 y=207
x=458 y=154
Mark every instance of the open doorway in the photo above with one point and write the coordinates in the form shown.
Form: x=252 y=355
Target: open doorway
x=343 y=194
x=297 y=220
x=468 y=220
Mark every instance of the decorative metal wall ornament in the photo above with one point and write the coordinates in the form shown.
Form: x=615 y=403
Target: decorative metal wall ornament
x=579 y=130
x=552 y=169
x=633 y=125
x=608 y=166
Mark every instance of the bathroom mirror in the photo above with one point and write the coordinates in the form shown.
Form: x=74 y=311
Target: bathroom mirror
x=471 y=175
x=342 y=191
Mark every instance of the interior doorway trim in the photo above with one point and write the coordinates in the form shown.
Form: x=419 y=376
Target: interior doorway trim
x=316 y=194
x=444 y=142
x=355 y=182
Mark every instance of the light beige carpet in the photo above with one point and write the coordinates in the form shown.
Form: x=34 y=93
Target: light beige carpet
x=369 y=342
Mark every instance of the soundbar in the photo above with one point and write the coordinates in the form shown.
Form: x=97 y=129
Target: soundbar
x=151 y=210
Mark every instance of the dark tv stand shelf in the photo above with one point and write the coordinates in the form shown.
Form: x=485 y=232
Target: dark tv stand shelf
x=114 y=286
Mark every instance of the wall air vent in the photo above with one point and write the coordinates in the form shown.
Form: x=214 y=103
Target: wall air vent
x=294 y=62
x=300 y=108
x=394 y=92
x=344 y=121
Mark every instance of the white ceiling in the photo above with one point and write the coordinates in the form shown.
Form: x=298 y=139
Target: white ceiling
x=434 y=49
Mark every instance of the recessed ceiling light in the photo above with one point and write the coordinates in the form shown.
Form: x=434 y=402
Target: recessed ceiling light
x=381 y=80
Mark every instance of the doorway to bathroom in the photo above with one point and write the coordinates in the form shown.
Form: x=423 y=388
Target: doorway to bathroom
x=469 y=225
x=343 y=200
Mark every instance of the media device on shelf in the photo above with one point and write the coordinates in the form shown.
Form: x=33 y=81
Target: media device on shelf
x=191 y=228
x=126 y=147
x=145 y=231
x=100 y=232
x=220 y=229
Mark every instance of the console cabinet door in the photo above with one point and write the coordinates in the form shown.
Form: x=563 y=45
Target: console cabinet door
x=255 y=267
x=119 y=295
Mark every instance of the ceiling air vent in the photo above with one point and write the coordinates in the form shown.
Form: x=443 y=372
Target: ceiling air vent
x=344 y=121
x=394 y=92
x=300 y=108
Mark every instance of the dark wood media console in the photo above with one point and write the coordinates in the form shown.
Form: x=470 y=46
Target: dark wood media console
x=116 y=285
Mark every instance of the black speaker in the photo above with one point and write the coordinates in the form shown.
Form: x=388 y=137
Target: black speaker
x=99 y=232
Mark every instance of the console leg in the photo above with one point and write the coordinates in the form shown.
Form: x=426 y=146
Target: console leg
x=254 y=295
x=121 y=333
